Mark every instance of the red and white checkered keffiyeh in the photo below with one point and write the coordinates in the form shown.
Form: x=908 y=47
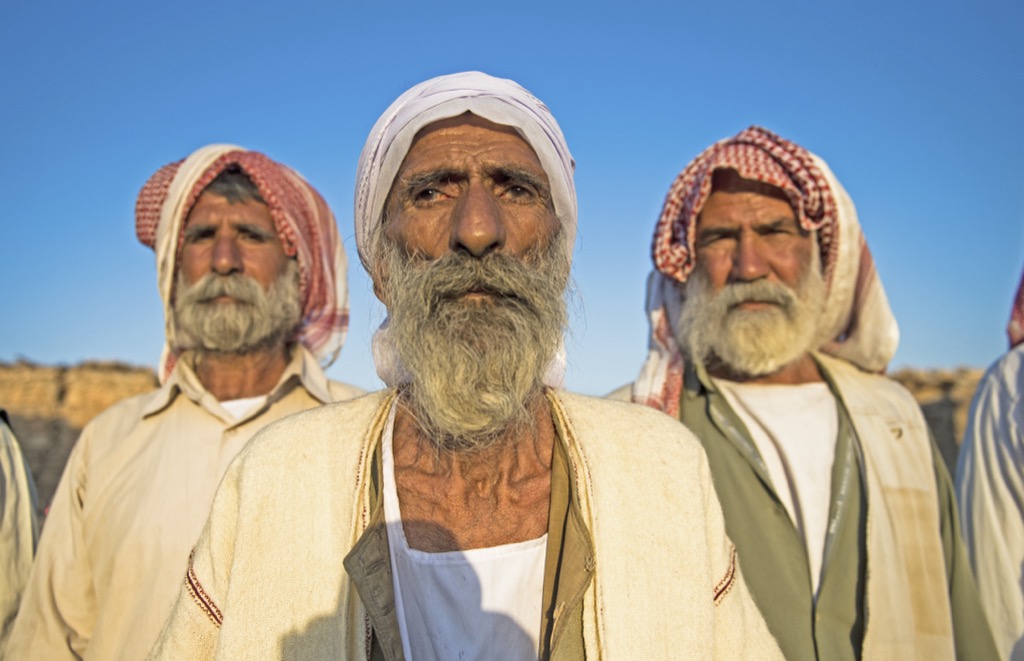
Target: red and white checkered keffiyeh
x=1015 y=329
x=857 y=318
x=304 y=223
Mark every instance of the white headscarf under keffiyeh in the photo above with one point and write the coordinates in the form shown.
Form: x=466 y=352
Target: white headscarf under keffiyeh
x=304 y=223
x=857 y=319
x=498 y=100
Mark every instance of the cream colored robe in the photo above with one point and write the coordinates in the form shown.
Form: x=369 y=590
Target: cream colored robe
x=267 y=579
x=132 y=500
x=19 y=527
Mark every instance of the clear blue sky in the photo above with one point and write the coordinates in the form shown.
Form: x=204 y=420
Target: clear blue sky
x=917 y=106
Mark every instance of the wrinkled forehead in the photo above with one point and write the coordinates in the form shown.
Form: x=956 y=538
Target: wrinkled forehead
x=468 y=118
x=447 y=143
x=478 y=115
x=731 y=190
x=729 y=180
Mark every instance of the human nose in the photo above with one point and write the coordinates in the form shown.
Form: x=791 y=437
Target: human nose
x=479 y=227
x=226 y=258
x=748 y=262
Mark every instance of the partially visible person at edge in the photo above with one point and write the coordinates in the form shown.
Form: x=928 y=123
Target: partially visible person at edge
x=990 y=489
x=252 y=274
x=769 y=328
x=19 y=525
x=469 y=511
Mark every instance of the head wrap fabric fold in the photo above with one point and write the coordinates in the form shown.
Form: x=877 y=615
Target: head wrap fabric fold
x=303 y=221
x=498 y=100
x=1015 y=329
x=857 y=324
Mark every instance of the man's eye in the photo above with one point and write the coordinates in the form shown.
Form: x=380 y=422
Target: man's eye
x=426 y=195
x=520 y=192
x=711 y=239
x=197 y=235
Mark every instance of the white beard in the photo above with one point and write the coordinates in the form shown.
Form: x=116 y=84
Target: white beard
x=475 y=367
x=256 y=319
x=752 y=342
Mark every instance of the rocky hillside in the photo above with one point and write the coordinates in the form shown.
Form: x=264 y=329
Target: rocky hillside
x=49 y=406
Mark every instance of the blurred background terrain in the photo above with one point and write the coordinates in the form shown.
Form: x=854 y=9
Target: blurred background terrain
x=49 y=405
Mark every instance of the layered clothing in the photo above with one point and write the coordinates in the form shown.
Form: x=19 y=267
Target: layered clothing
x=894 y=583
x=638 y=563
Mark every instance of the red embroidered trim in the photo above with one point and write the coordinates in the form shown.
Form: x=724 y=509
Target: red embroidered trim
x=725 y=585
x=198 y=594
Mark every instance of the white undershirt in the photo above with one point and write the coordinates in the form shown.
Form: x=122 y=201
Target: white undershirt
x=795 y=428
x=462 y=605
x=239 y=407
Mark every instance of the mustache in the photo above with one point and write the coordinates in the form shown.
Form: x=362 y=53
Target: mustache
x=457 y=274
x=240 y=288
x=756 y=292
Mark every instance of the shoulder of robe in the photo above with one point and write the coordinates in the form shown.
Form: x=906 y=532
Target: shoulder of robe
x=314 y=434
x=642 y=428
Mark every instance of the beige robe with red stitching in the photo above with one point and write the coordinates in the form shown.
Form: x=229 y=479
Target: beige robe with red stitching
x=267 y=577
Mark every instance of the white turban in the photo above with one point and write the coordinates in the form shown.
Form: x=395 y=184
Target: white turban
x=498 y=100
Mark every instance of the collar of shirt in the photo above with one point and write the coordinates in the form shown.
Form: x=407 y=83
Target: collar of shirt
x=302 y=367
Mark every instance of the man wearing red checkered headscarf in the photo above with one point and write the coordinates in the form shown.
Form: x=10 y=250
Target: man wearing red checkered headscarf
x=252 y=275
x=990 y=488
x=769 y=328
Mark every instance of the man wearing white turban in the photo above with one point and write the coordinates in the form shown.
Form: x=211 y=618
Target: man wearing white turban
x=469 y=511
x=252 y=274
x=769 y=326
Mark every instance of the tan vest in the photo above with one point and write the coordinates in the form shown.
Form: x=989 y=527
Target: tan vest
x=908 y=610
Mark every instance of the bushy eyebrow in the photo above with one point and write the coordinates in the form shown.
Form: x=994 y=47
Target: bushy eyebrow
x=428 y=178
x=195 y=231
x=256 y=230
x=529 y=177
x=778 y=222
x=504 y=173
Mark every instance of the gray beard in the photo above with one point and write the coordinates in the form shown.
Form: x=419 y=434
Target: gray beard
x=752 y=343
x=256 y=320
x=475 y=365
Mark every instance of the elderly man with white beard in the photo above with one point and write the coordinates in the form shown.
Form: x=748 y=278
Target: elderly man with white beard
x=252 y=274
x=470 y=511
x=769 y=327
